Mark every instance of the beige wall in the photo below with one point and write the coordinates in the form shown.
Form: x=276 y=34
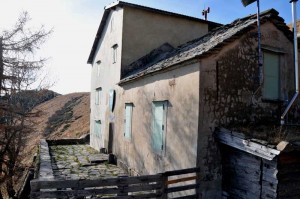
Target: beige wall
x=145 y=31
x=109 y=75
x=136 y=32
x=180 y=88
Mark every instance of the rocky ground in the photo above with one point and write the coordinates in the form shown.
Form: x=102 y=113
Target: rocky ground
x=81 y=162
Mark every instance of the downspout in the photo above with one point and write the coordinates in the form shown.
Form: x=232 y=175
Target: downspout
x=260 y=61
x=294 y=13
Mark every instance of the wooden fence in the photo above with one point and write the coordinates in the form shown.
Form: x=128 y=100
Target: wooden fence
x=161 y=185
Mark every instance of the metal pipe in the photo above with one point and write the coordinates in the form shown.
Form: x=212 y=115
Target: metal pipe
x=294 y=13
x=260 y=62
x=1 y=66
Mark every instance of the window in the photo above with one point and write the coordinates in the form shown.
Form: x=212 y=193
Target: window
x=98 y=67
x=97 y=128
x=128 y=120
x=98 y=70
x=271 y=76
x=159 y=110
x=112 y=24
x=98 y=96
x=115 y=53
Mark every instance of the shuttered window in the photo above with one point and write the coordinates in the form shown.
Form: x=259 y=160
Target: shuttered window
x=97 y=128
x=159 y=126
x=271 y=76
x=128 y=120
x=98 y=96
x=115 y=53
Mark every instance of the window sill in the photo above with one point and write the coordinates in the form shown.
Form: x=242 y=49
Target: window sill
x=273 y=101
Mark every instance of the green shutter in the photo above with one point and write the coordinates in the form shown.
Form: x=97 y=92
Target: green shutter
x=271 y=76
x=128 y=120
x=158 y=128
x=97 y=129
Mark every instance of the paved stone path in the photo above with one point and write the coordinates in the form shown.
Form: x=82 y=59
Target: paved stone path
x=77 y=162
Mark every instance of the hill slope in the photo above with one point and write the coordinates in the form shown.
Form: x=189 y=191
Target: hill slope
x=65 y=116
x=74 y=125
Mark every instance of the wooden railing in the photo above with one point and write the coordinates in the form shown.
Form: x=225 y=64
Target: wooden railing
x=161 y=185
x=176 y=181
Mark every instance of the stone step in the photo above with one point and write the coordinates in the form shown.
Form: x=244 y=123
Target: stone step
x=98 y=158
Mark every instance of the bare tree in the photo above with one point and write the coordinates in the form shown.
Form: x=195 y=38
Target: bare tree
x=19 y=69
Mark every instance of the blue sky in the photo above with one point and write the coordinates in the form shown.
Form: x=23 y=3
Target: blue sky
x=222 y=11
x=75 y=23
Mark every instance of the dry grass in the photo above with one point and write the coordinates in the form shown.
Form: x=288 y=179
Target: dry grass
x=78 y=125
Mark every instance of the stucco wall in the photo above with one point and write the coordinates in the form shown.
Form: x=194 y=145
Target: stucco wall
x=145 y=31
x=180 y=88
x=136 y=32
x=109 y=75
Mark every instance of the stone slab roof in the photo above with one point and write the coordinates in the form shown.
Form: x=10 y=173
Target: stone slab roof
x=211 y=43
x=148 y=60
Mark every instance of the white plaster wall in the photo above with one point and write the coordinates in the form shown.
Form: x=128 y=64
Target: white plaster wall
x=109 y=74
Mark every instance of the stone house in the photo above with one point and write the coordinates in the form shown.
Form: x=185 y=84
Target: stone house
x=126 y=33
x=164 y=107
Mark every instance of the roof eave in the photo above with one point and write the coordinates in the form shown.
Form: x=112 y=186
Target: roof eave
x=98 y=36
x=158 y=70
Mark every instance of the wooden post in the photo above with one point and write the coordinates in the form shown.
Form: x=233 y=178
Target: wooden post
x=164 y=186
x=122 y=188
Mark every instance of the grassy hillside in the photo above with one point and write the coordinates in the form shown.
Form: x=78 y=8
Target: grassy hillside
x=64 y=116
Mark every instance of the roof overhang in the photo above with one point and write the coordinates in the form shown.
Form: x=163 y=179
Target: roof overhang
x=255 y=147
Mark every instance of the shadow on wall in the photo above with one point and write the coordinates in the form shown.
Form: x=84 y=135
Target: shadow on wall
x=181 y=139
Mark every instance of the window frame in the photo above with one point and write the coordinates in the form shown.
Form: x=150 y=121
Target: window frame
x=161 y=150
x=98 y=68
x=115 y=53
x=98 y=134
x=265 y=96
x=128 y=135
x=112 y=24
x=98 y=96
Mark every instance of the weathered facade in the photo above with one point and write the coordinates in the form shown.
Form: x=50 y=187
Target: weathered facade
x=169 y=102
x=225 y=92
x=126 y=33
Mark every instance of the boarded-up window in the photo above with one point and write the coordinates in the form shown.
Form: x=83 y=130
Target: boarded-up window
x=98 y=68
x=271 y=76
x=128 y=120
x=97 y=128
x=98 y=96
x=115 y=53
x=112 y=24
x=159 y=126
